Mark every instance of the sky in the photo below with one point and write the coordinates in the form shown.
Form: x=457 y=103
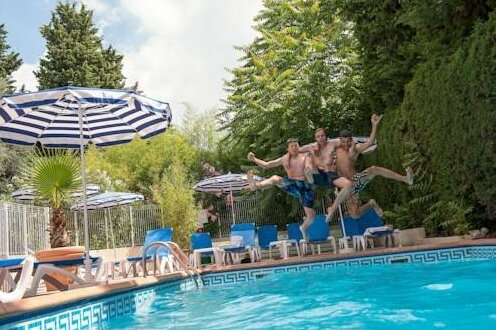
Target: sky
x=178 y=50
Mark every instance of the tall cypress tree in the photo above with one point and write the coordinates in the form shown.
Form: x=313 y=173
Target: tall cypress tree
x=75 y=54
x=9 y=61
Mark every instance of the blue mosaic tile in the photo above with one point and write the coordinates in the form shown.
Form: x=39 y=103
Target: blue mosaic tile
x=95 y=313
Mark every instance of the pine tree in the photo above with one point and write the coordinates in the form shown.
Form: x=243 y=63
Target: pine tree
x=75 y=54
x=9 y=61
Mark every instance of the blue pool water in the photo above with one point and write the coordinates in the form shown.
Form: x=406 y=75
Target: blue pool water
x=451 y=295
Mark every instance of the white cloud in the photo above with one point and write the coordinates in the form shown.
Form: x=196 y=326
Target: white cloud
x=182 y=47
x=186 y=46
x=26 y=76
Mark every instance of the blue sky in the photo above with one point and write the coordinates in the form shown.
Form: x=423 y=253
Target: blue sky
x=177 y=49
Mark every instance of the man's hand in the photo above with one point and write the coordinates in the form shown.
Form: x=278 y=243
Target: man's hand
x=251 y=156
x=375 y=119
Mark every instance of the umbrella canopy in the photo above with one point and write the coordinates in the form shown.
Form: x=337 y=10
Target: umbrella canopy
x=108 y=199
x=72 y=117
x=51 y=117
x=226 y=183
x=29 y=193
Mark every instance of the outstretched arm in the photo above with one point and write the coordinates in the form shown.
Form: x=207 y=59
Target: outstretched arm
x=262 y=163
x=307 y=148
x=375 y=119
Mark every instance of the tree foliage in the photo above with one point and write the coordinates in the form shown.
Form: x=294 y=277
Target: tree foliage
x=9 y=62
x=163 y=168
x=140 y=164
x=176 y=199
x=75 y=54
x=429 y=66
x=299 y=74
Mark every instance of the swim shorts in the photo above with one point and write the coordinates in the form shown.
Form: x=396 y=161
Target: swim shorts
x=299 y=189
x=360 y=181
x=325 y=179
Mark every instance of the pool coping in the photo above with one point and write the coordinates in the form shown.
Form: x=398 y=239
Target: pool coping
x=33 y=306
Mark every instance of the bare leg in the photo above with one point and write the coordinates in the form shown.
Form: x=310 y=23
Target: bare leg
x=310 y=169
x=353 y=204
x=343 y=194
x=273 y=180
x=369 y=205
x=309 y=216
x=374 y=171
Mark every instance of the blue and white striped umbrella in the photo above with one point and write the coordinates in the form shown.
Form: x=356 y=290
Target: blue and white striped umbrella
x=109 y=117
x=226 y=183
x=29 y=193
x=72 y=117
x=109 y=199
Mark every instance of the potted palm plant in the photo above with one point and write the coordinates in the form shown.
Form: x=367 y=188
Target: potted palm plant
x=55 y=175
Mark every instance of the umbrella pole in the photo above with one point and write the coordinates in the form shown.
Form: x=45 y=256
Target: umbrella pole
x=111 y=232
x=106 y=229
x=87 y=260
x=232 y=204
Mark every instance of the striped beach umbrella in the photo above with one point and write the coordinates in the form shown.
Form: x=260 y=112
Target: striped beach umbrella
x=107 y=200
x=72 y=117
x=29 y=193
x=225 y=184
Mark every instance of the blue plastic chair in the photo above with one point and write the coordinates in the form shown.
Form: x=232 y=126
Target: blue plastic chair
x=245 y=231
x=319 y=233
x=267 y=238
x=152 y=236
x=201 y=245
x=295 y=236
x=371 y=219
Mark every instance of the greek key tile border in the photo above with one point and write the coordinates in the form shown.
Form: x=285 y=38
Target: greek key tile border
x=94 y=313
x=451 y=254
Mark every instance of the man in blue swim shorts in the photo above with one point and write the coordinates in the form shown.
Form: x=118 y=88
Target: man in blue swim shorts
x=296 y=184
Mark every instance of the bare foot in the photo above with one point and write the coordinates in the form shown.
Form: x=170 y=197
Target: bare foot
x=377 y=208
x=409 y=176
x=251 y=181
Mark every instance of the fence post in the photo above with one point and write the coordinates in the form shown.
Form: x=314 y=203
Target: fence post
x=6 y=237
x=132 y=224
x=76 y=229
x=25 y=228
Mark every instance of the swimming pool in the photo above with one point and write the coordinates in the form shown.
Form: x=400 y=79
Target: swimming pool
x=416 y=295
x=403 y=296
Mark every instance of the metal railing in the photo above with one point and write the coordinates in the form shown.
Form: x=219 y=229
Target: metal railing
x=123 y=226
x=250 y=209
x=23 y=227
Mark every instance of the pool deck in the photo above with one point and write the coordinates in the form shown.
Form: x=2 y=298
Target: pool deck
x=51 y=300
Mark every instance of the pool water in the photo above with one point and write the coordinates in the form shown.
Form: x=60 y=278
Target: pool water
x=456 y=295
